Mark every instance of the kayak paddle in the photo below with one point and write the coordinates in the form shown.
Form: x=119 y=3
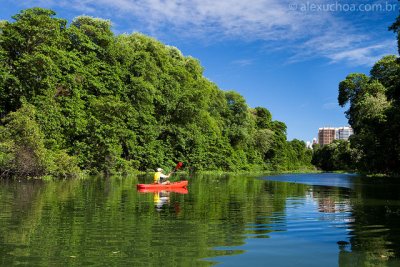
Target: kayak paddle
x=177 y=167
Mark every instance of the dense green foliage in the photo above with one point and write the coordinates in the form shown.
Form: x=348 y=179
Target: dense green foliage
x=23 y=150
x=374 y=115
x=336 y=156
x=112 y=103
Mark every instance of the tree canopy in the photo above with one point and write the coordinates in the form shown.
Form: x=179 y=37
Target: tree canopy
x=374 y=115
x=110 y=103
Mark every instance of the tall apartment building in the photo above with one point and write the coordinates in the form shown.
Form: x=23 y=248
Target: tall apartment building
x=326 y=135
x=343 y=133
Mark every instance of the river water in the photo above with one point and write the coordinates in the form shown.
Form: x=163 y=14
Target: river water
x=284 y=220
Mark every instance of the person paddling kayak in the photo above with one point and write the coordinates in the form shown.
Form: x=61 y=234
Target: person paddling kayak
x=160 y=177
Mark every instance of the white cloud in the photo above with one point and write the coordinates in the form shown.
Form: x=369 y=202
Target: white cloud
x=364 y=55
x=243 y=62
x=305 y=34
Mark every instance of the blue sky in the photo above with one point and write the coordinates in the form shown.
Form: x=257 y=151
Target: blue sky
x=287 y=56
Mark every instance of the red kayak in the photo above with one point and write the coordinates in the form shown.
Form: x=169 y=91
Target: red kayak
x=180 y=184
x=179 y=190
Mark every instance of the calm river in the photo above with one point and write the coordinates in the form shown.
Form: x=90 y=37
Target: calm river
x=286 y=220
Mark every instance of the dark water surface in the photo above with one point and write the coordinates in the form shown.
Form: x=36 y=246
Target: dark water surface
x=286 y=220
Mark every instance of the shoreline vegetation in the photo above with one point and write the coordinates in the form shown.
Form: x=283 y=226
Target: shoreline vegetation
x=75 y=100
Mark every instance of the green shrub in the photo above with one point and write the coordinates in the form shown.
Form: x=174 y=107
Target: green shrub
x=22 y=149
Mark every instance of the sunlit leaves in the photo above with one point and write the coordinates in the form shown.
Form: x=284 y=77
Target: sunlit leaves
x=116 y=103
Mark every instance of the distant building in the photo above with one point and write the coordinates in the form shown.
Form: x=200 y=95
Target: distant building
x=309 y=144
x=326 y=135
x=314 y=141
x=343 y=133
